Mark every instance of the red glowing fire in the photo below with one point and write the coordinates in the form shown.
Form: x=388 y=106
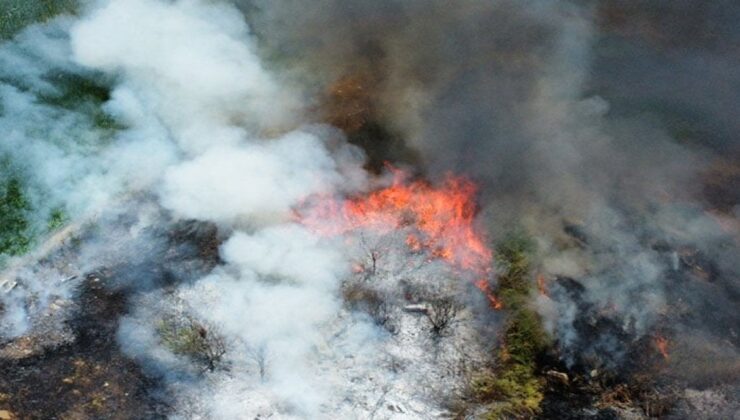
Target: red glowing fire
x=661 y=343
x=542 y=285
x=439 y=221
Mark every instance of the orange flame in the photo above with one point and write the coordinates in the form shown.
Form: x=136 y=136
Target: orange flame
x=542 y=285
x=413 y=242
x=485 y=287
x=438 y=219
x=661 y=343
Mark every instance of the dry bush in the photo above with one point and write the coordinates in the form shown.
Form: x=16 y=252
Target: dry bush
x=360 y=297
x=441 y=313
x=200 y=341
x=260 y=357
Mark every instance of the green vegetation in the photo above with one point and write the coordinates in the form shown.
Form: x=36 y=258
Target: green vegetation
x=86 y=94
x=512 y=388
x=16 y=14
x=15 y=237
x=196 y=340
x=18 y=232
x=57 y=220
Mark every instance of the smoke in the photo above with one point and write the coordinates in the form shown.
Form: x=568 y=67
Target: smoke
x=191 y=67
x=273 y=298
x=255 y=182
x=548 y=106
x=55 y=146
x=140 y=115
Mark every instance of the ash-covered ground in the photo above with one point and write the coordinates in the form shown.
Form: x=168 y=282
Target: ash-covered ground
x=248 y=209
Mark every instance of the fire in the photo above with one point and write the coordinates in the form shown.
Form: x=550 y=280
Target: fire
x=542 y=285
x=661 y=343
x=413 y=243
x=485 y=287
x=439 y=221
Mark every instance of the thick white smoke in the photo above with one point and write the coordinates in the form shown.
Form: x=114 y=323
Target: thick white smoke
x=191 y=66
x=190 y=88
x=67 y=159
x=206 y=133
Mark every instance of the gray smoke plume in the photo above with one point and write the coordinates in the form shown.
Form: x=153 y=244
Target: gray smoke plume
x=588 y=123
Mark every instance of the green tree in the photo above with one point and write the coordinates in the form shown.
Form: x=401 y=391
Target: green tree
x=14 y=227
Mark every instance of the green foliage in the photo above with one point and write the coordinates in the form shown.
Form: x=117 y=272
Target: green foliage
x=15 y=237
x=515 y=246
x=82 y=93
x=16 y=14
x=513 y=389
x=57 y=219
x=524 y=337
x=515 y=392
x=75 y=89
x=513 y=255
x=193 y=339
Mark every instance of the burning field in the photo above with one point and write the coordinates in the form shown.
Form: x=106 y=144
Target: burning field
x=251 y=209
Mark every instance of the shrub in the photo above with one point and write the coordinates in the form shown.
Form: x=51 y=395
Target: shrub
x=57 y=219
x=82 y=93
x=513 y=389
x=361 y=297
x=441 y=313
x=15 y=237
x=197 y=340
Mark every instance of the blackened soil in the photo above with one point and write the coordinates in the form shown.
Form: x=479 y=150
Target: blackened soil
x=88 y=378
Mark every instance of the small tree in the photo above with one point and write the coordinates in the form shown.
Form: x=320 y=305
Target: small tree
x=441 y=313
x=199 y=341
x=359 y=296
x=373 y=252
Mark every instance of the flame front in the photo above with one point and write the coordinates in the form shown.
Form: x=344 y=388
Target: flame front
x=661 y=343
x=439 y=221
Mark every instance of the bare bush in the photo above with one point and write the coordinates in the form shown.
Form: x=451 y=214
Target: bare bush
x=441 y=313
x=373 y=252
x=380 y=311
x=362 y=298
x=197 y=340
x=259 y=356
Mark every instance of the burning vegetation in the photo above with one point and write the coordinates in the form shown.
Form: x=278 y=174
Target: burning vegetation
x=513 y=386
x=437 y=221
